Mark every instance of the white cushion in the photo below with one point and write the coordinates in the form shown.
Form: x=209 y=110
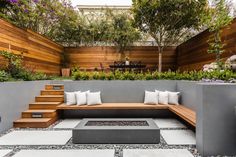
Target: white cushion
x=70 y=98
x=81 y=98
x=151 y=97
x=94 y=98
x=163 y=98
x=173 y=98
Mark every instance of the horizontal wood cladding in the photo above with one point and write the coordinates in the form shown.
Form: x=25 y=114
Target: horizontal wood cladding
x=91 y=57
x=40 y=53
x=193 y=55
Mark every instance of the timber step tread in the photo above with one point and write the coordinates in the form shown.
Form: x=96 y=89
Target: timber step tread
x=52 y=92
x=54 y=87
x=45 y=103
x=34 y=120
x=39 y=111
x=50 y=96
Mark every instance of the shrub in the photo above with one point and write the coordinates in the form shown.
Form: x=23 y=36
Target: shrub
x=4 y=76
x=15 y=69
x=226 y=75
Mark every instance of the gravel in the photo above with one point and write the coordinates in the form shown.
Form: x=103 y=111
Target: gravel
x=116 y=123
x=117 y=147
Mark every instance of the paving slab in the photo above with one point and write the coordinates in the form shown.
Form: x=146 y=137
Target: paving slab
x=4 y=152
x=169 y=123
x=66 y=153
x=156 y=153
x=179 y=137
x=36 y=138
x=67 y=124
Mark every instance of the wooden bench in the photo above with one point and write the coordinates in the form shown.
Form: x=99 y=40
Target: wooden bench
x=185 y=113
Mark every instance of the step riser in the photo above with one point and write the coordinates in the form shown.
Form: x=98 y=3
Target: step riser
x=54 y=87
x=44 y=115
x=52 y=92
x=42 y=107
x=50 y=99
x=34 y=125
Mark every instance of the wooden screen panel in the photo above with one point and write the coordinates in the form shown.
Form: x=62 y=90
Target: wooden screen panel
x=91 y=57
x=40 y=53
x=193 y=55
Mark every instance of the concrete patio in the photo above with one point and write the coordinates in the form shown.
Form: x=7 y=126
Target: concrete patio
x=56 y=141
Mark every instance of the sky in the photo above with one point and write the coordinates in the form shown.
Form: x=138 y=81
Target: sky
x=102 y=2
x=119 y=2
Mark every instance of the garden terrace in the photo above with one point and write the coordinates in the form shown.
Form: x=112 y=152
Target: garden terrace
x=88 y=82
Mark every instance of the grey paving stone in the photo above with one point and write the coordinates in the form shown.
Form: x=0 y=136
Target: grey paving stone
x=179 y=137
x=156 y=153
x=66 y=153
x=36 y=138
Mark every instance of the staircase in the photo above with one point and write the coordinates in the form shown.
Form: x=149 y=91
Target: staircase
x=42 y=113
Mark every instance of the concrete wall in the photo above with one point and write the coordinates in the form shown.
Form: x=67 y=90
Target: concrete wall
x=119 y=91
x=188 y=90
x=216 y=120
x=15 y=98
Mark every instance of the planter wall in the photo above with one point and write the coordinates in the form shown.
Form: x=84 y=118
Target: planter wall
x=216 y=120
x=119 y=91
x=188 y=90
x=15 y=98
x=214 y=103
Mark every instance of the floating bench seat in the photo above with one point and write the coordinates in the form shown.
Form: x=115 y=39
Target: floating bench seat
x=112 y=106
x=183 y=112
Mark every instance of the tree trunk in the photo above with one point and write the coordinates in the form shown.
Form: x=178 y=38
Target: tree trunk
x=160 y=59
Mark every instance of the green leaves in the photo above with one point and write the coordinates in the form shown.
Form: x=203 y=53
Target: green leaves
x=226 y=75
x=15 y=69
x=168 y=21
x=216 y=18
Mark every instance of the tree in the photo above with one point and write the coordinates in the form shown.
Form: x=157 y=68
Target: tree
x=123 y=32
x=167 y=21
x=216 y=18
x=56 y=19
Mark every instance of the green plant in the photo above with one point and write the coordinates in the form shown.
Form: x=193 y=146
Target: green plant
x=168 y=22
x=4 y=76
x=124 y=34
x=14 y=62
x=226 y=75
x=216 y=19
x=15 y=69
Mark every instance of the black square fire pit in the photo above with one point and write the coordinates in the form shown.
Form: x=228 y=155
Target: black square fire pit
x=116 y=131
